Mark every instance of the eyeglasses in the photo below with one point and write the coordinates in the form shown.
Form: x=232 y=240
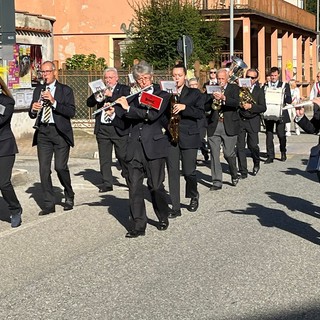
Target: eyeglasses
x=252 y=77
x=213 y=71
x=46 y=71
x=109 y=77
x=143 y=79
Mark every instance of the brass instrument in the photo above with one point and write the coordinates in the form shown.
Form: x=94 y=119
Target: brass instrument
x=107 y=106
x=236 y=70
x=217 y=103
x=245 y=96
x=174 y=121
x=99 y=94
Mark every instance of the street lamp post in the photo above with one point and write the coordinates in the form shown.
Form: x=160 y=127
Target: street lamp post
x=232 y=29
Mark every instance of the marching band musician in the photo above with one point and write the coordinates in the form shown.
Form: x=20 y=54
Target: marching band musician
x=108 y=134
x=54 y=135
x=280 y=124
x=223 y=127
x=189 y=107
x=8 y=150
x=250 y=125
x=146 y=152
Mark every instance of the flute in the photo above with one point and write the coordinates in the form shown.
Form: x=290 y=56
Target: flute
x=107 y=106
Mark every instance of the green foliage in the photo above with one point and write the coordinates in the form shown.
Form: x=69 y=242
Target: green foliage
x=158 y=24
x=83 y=62
x=311 y=6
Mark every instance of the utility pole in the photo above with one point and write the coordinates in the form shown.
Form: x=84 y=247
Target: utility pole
x=232 y=29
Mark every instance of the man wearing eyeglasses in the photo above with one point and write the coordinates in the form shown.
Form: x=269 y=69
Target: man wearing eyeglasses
x=250 y=124
x=212 y=79
x=53 y=106
x=108 y=133
x=146 y=152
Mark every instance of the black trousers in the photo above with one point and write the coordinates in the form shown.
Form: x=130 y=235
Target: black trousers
x=189 y=164
x=50 y=143
x=246 y=135
x=8 y=193
x=139 y=168
x=281 y=133
x=107 y=138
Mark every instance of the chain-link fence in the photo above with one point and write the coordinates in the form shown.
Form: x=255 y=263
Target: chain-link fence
x=78 y=81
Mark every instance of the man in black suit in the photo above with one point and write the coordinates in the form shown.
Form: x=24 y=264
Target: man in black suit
x=107 y=133
x=8 y=150
x=190 y=109
x=53 y=106
x=250 y=125
x=213 y=81
x=281 y=123
x=223 y=128
x=146 y=152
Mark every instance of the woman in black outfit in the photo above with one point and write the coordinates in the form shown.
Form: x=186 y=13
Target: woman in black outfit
x=8 y=150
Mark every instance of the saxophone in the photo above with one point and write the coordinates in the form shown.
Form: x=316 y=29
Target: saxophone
x=174 y=119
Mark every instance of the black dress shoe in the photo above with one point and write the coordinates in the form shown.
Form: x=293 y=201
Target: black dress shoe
x=68 y=205
x=214 y=188
x=194 y=204
x=234 y=181
x=243 y=175
x=105 y=189
x=283 y=156
x=163 y=225
x=135 y=234
x=174 y=213
x=16 y=219
x=47 y=211
x=269 y=160
x=255 y=170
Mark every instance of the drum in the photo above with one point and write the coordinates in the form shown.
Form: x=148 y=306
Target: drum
x=274 y=102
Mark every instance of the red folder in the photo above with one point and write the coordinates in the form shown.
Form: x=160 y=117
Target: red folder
x=150 y=100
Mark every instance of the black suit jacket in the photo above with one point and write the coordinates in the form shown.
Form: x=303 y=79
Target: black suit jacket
x=64 y=111
x=189 y=132
x=8 y=144
x=147 y=127
x=231 y=119
x=121 y=127
x=253 y=115
x=286 y=100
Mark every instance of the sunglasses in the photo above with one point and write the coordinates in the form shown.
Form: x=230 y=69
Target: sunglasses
x=213 y=71
x=252 y=77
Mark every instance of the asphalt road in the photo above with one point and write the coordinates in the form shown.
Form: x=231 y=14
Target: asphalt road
x=249 y=252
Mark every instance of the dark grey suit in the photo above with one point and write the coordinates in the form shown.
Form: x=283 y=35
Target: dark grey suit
x=249 y=129
x=55 y=139
x=111 y=135
x=223 y=127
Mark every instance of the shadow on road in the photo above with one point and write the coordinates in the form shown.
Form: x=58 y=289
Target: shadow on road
x=273 y=218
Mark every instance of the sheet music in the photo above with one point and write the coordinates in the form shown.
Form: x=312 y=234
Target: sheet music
x=97 y=85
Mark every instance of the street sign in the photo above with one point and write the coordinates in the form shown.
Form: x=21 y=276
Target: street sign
x=185 y=46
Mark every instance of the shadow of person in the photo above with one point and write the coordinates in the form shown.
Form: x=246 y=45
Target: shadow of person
x=302 y=173
x=273 y=218
x=115 y=206
x=204 y=179
x=91 y=175
x=4 y=212
x=296 y=204
x=36 y=193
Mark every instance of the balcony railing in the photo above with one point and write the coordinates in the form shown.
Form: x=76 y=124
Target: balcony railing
x=278 y=9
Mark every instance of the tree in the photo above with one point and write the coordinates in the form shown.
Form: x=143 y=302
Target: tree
x=83 y=62
x=158 y=24
x=311 y=6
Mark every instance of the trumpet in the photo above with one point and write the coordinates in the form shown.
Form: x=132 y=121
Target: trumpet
x=107 y=106
x=217 y=104
x=99 y=94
